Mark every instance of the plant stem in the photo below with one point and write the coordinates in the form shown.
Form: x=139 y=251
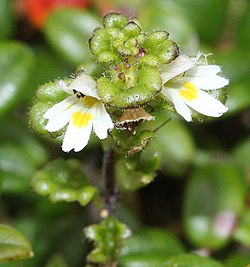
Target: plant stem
x=109 y=181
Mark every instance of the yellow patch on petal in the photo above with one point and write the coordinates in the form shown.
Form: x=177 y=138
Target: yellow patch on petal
x=190 y=92
x=90 y=101
x=81 y=119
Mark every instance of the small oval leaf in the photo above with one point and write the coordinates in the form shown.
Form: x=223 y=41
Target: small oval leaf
x=13 y=245
x=149 y=247
x=191 y=260
x=214 y=199
x=15 y=69
x=68 y=31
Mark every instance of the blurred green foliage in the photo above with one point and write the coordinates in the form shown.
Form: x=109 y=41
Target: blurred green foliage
x=204 y=180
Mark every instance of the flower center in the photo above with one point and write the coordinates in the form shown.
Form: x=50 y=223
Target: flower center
x=190 y=91
x=81 y=119
x=90 y=101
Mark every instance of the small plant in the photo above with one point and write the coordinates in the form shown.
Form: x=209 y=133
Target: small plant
x=140 y=74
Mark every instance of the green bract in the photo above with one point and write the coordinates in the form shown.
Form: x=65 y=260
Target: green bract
x=63 y=181
x=107 y=237
x=130 y=87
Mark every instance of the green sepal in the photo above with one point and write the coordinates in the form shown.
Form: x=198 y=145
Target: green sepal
x=107 y=237
x=137 y=87
x=13 y=245
x=63 y=181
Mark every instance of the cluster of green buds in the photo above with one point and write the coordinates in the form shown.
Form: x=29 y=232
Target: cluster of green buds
x=132 y=57
x=141 y=73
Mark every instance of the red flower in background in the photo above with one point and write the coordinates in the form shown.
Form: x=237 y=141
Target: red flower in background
x=37 y=11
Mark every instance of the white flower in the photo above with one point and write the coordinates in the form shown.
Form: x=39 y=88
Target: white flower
x=185 y=84
x=82 y=110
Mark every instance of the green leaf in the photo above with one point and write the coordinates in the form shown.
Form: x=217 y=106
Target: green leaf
x=56 y=261
x=107 y=236
x=13 y=245
x=236 y=66
x=20 y=155
x=191 y=260
x=68 y=31
x=237 y=259
x=214 y=199
x=235 y=63
x=15 y=70
x=173 y=144
x=242 y=32
x=239 y=96
x=241 y=155
x=208 y=16
x=242 y=232
x=149 y=247
x=63 y=181
x=166 y=16
x=6 y=18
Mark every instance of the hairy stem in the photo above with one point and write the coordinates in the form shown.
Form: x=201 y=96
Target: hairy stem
x=109 y=181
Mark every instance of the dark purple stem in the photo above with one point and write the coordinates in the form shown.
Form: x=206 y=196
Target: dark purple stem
x=109 y=181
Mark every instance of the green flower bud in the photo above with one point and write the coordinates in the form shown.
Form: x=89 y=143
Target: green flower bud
x=159 y=49
x=114 y=20
x=102 y=44
x=131 y=29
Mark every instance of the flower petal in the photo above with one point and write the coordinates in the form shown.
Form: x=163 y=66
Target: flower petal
x=207 y=82
x=102 y=122
x=206 y=70
x=82 y=83
x=178 y=66
x=78 y=132
x=62 y=85
x=206 y=105
x=179 y=104
x=59 y=114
